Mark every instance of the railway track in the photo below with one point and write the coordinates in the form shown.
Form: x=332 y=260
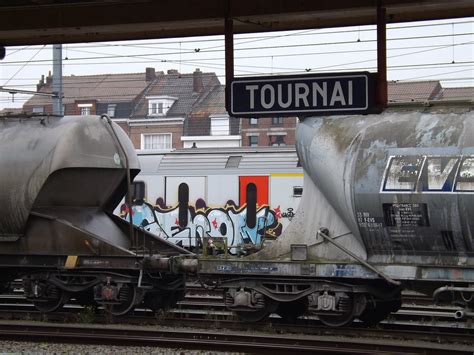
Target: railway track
x=218 y=340
x=204 y=312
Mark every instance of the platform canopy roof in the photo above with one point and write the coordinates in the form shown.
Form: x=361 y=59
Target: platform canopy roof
x=66 y=21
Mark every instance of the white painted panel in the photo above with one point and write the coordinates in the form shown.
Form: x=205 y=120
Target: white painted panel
x=222 y=188
x=154 y=186
x=281 y=195
x=196 y=184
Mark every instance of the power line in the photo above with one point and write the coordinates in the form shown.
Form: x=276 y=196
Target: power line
x=245 y=37
x=39 y=50
x=243 y=49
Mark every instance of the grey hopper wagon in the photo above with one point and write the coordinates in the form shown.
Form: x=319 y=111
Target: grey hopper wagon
x=387 y=205
x=61 y=178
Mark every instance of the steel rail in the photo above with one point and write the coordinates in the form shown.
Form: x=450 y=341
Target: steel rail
x=213 y=340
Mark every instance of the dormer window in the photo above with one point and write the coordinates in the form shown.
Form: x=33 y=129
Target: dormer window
x=160 y=105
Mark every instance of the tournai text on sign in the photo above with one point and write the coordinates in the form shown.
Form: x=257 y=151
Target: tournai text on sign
x=340 y=93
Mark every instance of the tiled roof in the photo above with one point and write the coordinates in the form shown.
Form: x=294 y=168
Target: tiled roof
x=211 y=104
x=179 y=86
x=413 y=91
x=199 y=121
x=103 y=88
x=10 y=111
x=466 y=93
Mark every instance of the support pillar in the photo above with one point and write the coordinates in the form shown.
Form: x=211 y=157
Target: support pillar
x=382 y=91
x=58 y=79
x=229 y=58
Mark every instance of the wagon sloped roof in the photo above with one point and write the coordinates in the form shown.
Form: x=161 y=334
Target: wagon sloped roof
x=202 y=161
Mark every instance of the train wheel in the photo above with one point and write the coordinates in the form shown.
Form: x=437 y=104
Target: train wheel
x=345 y=315
x=290 y=311
x=374 y=315
x=258 y=315
x=54 y=299
x=127 y=300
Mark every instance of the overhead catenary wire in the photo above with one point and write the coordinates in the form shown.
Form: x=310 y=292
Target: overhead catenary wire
x=245 y=37
x=189 y=58
x=21 y=68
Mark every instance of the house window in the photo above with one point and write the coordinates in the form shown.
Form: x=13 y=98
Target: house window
x=156 y=141
x=156 y=108
x=159 y=105
x=253 y=121
x=85 y=111
x=38 y=109
x=277 y=120
x=111 y=110
x=253 y=141
x=277 y=141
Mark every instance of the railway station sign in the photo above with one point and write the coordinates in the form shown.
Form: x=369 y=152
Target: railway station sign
x=303 y=95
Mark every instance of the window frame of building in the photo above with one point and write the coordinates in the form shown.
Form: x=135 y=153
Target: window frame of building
x=38 y=109
x=144 y=145
x=253 y=141
x=158 y=106
x=253 y=121
x=111 y=109
x=85 y=111
x=277 y=140
x=276 y=121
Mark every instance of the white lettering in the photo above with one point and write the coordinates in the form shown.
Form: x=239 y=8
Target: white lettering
x=301 y=93
x=429 y=174
x=280 y=98
x=349 y=95
x=437 y=177
x=271 y=90
x=323 y=92
x=466 y=173
x=252 y=89
x=403 y=173
x=337 y=95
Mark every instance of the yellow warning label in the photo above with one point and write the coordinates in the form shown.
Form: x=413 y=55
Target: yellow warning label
x=71 y=261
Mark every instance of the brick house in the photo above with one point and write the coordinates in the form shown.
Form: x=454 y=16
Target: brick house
x=169 y=111
x=209 y=124
x=114 y=94
x=162 y=110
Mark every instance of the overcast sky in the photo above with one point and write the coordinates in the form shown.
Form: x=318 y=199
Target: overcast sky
x=429 y=50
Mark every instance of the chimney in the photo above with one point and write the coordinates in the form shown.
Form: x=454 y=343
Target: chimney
x=40 y=84
x=150 y=74
x=197 y=81
x=173 y=71
x=49 y=78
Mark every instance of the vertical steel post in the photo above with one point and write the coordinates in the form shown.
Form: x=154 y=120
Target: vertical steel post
x=382 y=91
x=57 y=79
x=229 y=58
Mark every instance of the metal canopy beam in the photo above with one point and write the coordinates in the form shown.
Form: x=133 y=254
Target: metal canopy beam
x=60 y=21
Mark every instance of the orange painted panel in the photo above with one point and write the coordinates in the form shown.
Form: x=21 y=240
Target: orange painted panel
x=261 y=182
